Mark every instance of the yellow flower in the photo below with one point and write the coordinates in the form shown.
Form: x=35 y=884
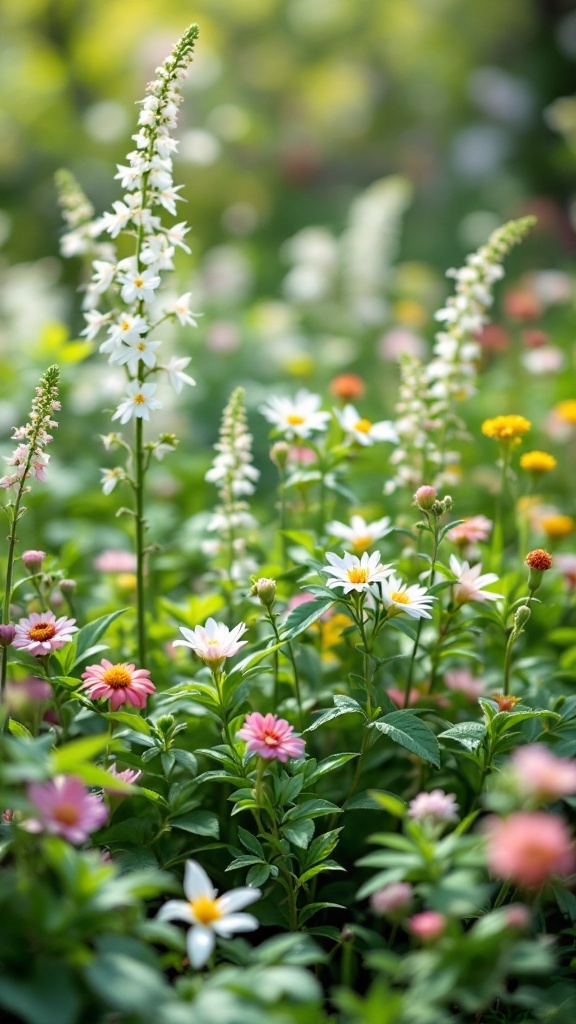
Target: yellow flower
x=505 y=428
x=332 y=630
x=557 y=526
x=538 y=462
x=567 y=410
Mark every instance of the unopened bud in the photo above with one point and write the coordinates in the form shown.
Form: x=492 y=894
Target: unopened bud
x=67 y=586
x=265 y=590
x=538 y=561
x=33 y=560
x=521 y=617
x=425 y=497
x=279 y=453
x=7 y=634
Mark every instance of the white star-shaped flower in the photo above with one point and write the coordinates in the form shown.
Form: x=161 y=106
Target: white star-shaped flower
x=296 y=417
x=353 y=573
x=139 y=402
x=363 y=431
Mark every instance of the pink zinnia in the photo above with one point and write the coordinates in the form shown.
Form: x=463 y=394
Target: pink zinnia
x=529 y=847
x=541 y=773
x=271 y=737
x=123 y=684
x=41 y=633
x=471 y=531
x=65 y=808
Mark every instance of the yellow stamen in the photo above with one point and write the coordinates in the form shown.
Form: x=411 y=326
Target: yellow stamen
x=294 y=419
x=205 y=910
x=400 y=597
x=42 y=631
x=118 y=676
x=363 y=426
x=66 y=813
x=357 y=575
x=139 y=398
x=362 y=543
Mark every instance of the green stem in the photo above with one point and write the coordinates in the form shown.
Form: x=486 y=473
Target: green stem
x=140 y=529
x=412 y=665
x=10 y=569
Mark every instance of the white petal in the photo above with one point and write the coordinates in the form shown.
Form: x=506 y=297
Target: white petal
x=196 y=882
x=199 y=943
x=237 y=899
x=175 y=910
x=235 y=923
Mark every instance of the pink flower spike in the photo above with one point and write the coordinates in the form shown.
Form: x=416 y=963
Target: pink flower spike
x=529 y=848
x=270 y=737
x=121 y=683
x=41 y=633
x=65 y=808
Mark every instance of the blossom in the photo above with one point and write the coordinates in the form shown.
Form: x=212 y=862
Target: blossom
x=115 y=561
x=209 y=914
x=122 y=683
x=566 y=410
x=360 y=535
x=436 y=806
x=427 y=925
x=506 y=428
x=539 y=560
x=471 y=531
x=134 y=352
x=214 y=642
x=127 y=330
x=41 y=633
x=529 y=847
x=128 y=775
x=537 y=462
x=539 y=772
x=392 y=900
x=270 y=737
x=363 y=431
x=353 y=573
x=398 y=597
x=33 y=559
x=347 y=386
x=7 y=634
x=556 y=527
x=462 y=681
x=139 y=402
x=175 y=369
x=297 y=417
x=470 y=582
x=65 y=808
x=181 y=308
x=566 y=564
x=110 y=478
x=29 y=458
x=425 y=497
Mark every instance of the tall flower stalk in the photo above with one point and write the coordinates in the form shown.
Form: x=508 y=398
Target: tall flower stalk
x=127 y=289
x=28 y=460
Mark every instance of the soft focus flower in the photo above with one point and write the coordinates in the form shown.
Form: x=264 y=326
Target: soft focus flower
x=398 y=597
x=7 y=634
x=436 y=805
x=129 y=775
x=529 y=847
x=208 y=914
x=23 y=695
x=522 y=304
x=175 y=369
x=470 y=582
x=425 y=497
x=427 y=925
x=65 y=808
x=271 y=737
x=360 y=535
x=392 y=900
x=550 y=359
x=505 y=428
x=347 y=387
x=471 y=531
x=539 y=772
x=566 y=410
x=557 y=527
x=214 y=642
x=353 y=573
x=462 y=681
x=139 y=402
x=41 y=633
x=363 y=431
x=29 y=458
x=565 y=563
x=33 y=559
x=115 y=561
x=518 y=916
x=297 y=417
x=537 y=462
x=121 y=683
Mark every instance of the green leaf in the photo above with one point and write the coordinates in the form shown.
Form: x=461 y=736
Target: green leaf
x=258 y=874
x=322 y=847
x=300 y=832
x=329 y=764
x=314 y=908
x=304 y=616
x=405 y=728
x=312 y=809
x=185 y=759
x=250 y=842
x=66 y=759
x=468 y=734
x=19 y=730
x=133 y=721
x=200 y=823
x=304 y=538
x=91 y=633
x=126 y=984
x=317 y=869
x=344 y=706
x=390 y=802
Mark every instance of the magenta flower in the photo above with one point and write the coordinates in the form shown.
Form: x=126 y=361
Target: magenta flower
x=41 y=633
x=529 y=847
x=7 y=634
x=122 y=684
x=271 y=737
x=129 y=775
x=65 y=808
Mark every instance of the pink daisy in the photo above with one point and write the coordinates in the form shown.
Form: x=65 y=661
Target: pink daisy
x=271 y=737
x=41 y=633
x=123 y=684
x=65 y=808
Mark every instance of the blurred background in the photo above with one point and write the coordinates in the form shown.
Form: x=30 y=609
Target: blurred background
x=337 y=156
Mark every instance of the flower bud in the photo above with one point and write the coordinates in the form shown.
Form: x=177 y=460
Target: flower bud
x=7 y=634
x=265 y=590
x=279 y=453
x=428 y=925
x=425 y=497
x=392 y=900
x=67 y=586
x=33 y=560
x=538 y=561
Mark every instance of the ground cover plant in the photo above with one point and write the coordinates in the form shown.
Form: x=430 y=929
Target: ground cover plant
x=296 y=744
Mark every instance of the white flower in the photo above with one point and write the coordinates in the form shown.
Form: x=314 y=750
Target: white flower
x=297 y=417
x=175 y=370
x=359 y=534
x=127 y=329
x=103 y=275
x=138 y=402
x=175 y=236
x=138 y=284
x=182 y=310
x=470 y=582
x=353 y=573
x=209 y=914
x=134 y=351
x=94 y=321
x=111 y=477
x=115 y=222
x=397 y=597
x=213 y=642
x=364 y=431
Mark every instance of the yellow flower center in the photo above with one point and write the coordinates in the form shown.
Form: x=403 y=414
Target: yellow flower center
x=357 y=575
x=400 y=597
x=294 y=419
x=141 y=346
x=205 y=910
x=117 y=676
x=67 y=814
x=557 y=526
x=138 y=281
x=362 y=543
x=363 y=426
x=139 y=398
x=125 y=325
x=42 y=631
x=212 y=643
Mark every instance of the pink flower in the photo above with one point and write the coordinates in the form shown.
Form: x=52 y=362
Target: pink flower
x=41 y=633
x=518 y=916
x=7 y=634
x=461 y=680
x=427 y=925
x=271 y=737
x=123 y=684
x=529 y=847
x=129 y=775
x=392 y=900
x=471 y=531
x=116 y=561
x=541 y=773
x=437 y=805
x=65 y=808
x=25 y=694
x=33 y=559
x=425 y=497
x=470 y=582
x=213 y=642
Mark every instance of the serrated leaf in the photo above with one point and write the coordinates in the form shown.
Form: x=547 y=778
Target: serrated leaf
x=304 y=616
x=468 y=734
x=406 y=729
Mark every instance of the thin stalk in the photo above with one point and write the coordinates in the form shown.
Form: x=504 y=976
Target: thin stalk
x=140 y=529
x=10 y=568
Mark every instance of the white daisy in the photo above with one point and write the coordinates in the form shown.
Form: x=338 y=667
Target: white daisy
x=213 y=642
x=399 y=598
x=209 y=914
x=296 y=417
x=363 y=431
x=360 y=535
x=138 y=284
x=470 y=582
x=127 y=329
x=353 y=573
x=138 y=402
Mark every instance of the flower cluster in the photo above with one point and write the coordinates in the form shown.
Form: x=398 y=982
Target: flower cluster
x=29 y=458
x=367 y=575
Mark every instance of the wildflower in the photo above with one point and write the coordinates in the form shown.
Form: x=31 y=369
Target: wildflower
x=265 y=590
x=471 y=530
x=209 y=914
x=139 y=402
x=131 y=354
x=566 y=410
x=297 y=417
x=25 y=695
x=556 y=527
x=392 y=900
x=181 y=307
x=566 y=565
x=506 y=428
x=425 y=497
x=175 y=369
x=115 y=561
x=353 y=573
x=399 y=598
x=505 y=701
x=360 y=535
x=65 y=808
x=436 y=806
x=347 y=387
x=462 y=681
x=540 y=773
x=33 y=560
x=271 y=737
x=363 y=431
x=29 y=458
x=522 y=304
x=111 y=478
x=529 y=847
x=470 y=582
x=7 y=634
x=214 y=642
x=537 y=462
x=128 y=775
x=427 y=925
x=121 y=683
x=41 y=633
